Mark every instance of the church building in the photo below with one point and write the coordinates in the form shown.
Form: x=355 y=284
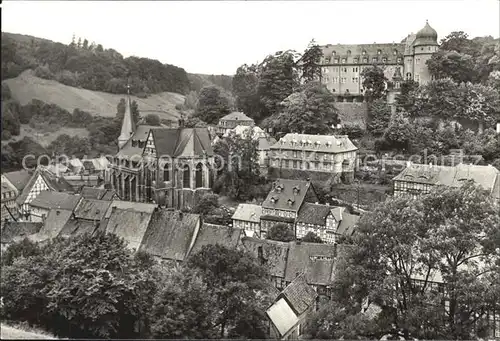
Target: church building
x=172 y=167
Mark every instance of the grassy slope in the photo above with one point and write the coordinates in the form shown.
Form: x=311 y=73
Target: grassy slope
x=7 y=332
x=26 y=87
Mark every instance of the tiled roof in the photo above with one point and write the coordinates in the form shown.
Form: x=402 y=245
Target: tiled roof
x=282 y=316
x=248 y=212
x=49 y=200
x=129 y=225
x=14 y=231
x=55 y=183
x=182 y=142
x=274 y=253
x=76 y=227
x=53 y=224
x=486 y=176
x=97 y=193
x=316 y=143
x=236 y=116
x=313 y=214
x=214 y=234
x=141 y=134
x=265 y=143
x=351 y=51
x=279 y=199
x=170 y=234
x=347 y=224
x=92 y=209
x=6 y=188
x=18 y=178
x=299 y=294
x=306 y=258
x=130 y=205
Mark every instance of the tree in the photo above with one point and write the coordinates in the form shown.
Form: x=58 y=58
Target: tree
x=207 y=204
x=312 y=237
x=240 y=287
x=380 y=116
x=310 y=62
x=374 y=82
x=194 y=122
x=407 y=244
x=87 y=286
x=25 y=248
x=212 y=105
x=278 y=79
x=85 y=45
x=239 y=170
x=311 y=110
x=281 y=232
x=184 y=307
x=452 y=64
x=152 y=120
x=244 y=86
x=79 y=44
x=120 y=110
x=398 y=134
x=405 y=99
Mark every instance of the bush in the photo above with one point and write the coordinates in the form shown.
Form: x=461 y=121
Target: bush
x=152 y=120
x=6 y=135
x=44 y=72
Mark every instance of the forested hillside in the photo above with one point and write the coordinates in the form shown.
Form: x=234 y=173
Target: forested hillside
x=89 y=66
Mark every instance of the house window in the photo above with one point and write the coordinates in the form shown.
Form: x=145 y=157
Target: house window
x=417 y=61
x=344 y=79
x=294 y=153
x=399 y=60
x=294 y=163
x=374 y=59
x=344 y=69
x=354 y=69
x=417 y=78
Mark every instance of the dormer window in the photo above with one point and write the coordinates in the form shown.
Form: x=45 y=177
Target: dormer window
x=296 y=190
x=399 y=60
x=348 y=52
x=374 y=59
x=336 y=61
x=334 y=53
x=364 y=52
x=379 y=52
x=355 y=61
x=274 y=200
x=290 y=202
x=318 y=144
x=365 y=60
x=344 y=60
x=384 y=60
x=395 y=52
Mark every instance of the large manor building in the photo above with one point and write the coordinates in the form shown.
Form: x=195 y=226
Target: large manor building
x=172 y=167
x=342 y=64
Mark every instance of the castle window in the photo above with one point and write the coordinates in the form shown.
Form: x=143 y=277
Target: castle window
x=374 y=59
x=354 y=69
x=417 y=61
x=336 y=61
x=355 y=61
x=395 y=52
x=343 y=60
x=384 y=60
x=364 y=52
x=365 y=60
x=334 y=53
x=399 y=60
x=379 y=52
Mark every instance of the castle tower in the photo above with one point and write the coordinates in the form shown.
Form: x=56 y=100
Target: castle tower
x=128 y=125
x=424 y=46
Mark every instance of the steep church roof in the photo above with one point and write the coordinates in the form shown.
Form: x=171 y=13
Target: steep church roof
x=182 y=142
x=128 y=125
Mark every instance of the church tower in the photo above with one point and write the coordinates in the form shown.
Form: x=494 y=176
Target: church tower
x=425 y=46
x=128 y=125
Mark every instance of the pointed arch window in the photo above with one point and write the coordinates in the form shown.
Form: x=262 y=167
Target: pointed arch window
x=199 y=175
x=186 y=177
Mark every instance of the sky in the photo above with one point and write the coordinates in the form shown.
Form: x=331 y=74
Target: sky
x=215 y=37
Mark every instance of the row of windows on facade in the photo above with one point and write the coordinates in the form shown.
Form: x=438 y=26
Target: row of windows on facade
x=311 y=154
x=8 y=195
x=309 y=143
x=342 y=69
x=394 y=52
x=306 y=165
x=364 y=60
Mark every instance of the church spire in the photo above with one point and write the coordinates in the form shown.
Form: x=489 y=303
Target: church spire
x=128 y=125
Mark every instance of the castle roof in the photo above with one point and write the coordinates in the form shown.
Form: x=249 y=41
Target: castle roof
x=236 y=116
x=316 y=143
x=426 y=36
